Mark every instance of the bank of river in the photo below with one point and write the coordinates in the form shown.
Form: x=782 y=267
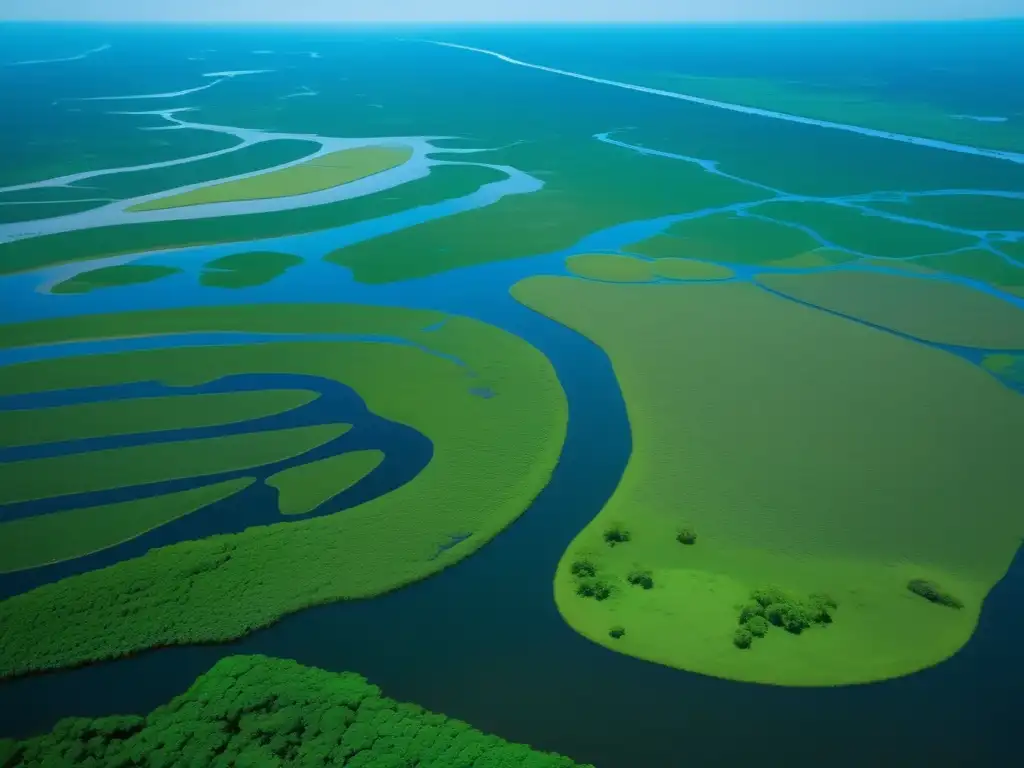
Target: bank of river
x=405 y=450
x=483 y=641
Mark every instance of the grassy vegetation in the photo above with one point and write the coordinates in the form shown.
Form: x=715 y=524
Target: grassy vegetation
x=975 y=212
x=727 y=237
x=303 y=488
x=33 y=479
x=110 y=277
x=123 y=417
x=977 y=265
x=33 y=253
x=51 y=538
x=587 y=187
x=932 y=310
x=689 y=269
x=502 y=450
x=244 y=270
x=857 y=106
x=1009 y=367
x=250 y=711
x=610 y=267
x=267 y=154
x=742 y=430
x=863 y=233
x=314 y=175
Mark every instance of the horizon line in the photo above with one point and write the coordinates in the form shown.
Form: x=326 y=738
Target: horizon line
x=524 y=23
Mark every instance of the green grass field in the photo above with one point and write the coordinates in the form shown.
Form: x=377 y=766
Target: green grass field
x=51 y=538
x=926 y=309
x=245 y=270
x=610 y=268
x=502 y=449
x=314 y=175
x=101 y=470
x=727 y=237
x=793 y=470
x=303 y=488
x=123 y=417
x=110 y=277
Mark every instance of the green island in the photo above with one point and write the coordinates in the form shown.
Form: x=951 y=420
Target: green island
x=819 y=257
x=112 y=277
x=931 y=310
x=503 y=449
x=613 y=268
x=862 y=232
x=734 y=487
x=977 y=264
x=261 y=712
x=32 y=479
x=443 y=183
x=124 y=417
x=256 y=157
x=727 y=237
x=1005 y=366
x=982 y=213
x=618 y=268
x=330 y=170
x=303 y=488
x=245 y=270
x=57 y=536
x=690 y=269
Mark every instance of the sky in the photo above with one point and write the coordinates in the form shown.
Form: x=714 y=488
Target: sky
x=504 y=10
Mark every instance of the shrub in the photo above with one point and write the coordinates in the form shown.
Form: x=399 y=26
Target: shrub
x=742 y=638
x=932 y=592
x=757 y=626
x=595 y=588
x=687 y=536
x=641 y=579
x=820 y=607
x=768 y=596
x=255 y=712
x=750 y=610
x=583 y=569
x=616 y=535
x=616 y=632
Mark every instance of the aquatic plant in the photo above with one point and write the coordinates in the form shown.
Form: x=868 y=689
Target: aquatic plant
x=583 y=568
x=616 y=632
x=616 y=535
x=641 y=579
x=932 y=592
x=257 y=711
x=598 y=589
x=687 y=536
x=742 y=637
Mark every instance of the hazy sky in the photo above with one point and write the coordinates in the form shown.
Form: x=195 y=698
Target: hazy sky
x=504 y=10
